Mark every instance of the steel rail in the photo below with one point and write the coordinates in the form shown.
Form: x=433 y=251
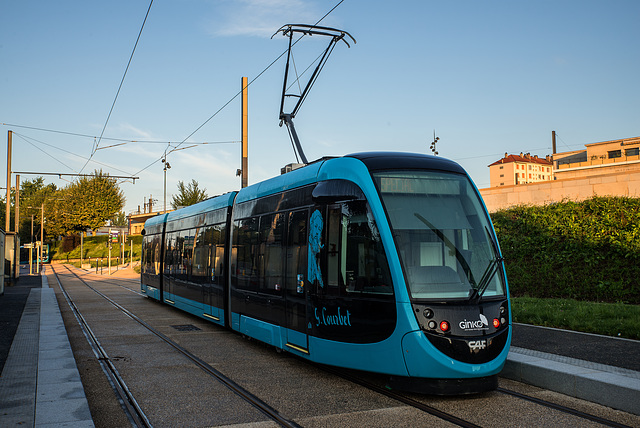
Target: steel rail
x=399 y=397
x=226 y=381
x=562 y=408
x=128 y=402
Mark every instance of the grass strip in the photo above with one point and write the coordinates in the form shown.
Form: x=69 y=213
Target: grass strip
x=609 y=319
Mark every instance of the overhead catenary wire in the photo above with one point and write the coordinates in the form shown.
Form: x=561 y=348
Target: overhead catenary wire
x=125 y=140
x=26 y=139
x=98 y=140
x=97 y=144
x=238 y=93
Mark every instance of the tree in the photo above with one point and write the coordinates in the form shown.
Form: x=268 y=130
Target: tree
x=34 y=194
x=188 y=195
x=119 y=219
x=90 y=202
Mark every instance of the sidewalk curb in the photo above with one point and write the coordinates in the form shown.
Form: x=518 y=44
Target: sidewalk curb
x=610 y=386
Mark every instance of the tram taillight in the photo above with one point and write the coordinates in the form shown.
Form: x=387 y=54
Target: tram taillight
x=496 y=323
x=444 y=326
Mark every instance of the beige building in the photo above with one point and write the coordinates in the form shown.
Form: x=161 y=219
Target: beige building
x=607 y=157
x=523 y=169
x=608 y=168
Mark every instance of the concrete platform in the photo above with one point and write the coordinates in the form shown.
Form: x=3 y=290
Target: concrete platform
x=40 y=385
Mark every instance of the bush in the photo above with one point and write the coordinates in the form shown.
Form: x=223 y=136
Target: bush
x=69 y=242
x=586 y=250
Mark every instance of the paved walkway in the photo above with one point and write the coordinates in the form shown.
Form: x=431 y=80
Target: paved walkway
x=40 y=385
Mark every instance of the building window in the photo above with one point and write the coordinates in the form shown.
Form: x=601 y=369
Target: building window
x=529 y=167
x=615 y=154
x=501 y=175
x=632 y=152
x=501 y=167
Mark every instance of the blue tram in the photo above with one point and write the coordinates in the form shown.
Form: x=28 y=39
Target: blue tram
x=382 y=262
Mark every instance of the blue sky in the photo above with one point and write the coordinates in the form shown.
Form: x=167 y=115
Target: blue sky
x=490 y=77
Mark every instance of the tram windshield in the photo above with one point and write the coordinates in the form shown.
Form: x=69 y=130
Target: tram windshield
x=443 y=235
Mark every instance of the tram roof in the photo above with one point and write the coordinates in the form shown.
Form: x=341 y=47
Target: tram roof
x=403 y=160
x=207 y=205
x=374 y=161
x=297 y=178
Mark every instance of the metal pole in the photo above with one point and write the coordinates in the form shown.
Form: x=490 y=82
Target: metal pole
x=41 y=232
x=109 y=251
x=31 y=249
x=81 y=248
x=7 y=220
x=245 y=133
x=17 y=225
x=164 y=161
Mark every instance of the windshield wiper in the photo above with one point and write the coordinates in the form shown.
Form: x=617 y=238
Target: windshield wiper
x=451 y=246
x=492 y=268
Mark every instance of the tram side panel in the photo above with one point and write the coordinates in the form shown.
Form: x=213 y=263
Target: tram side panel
x=152 y=258
x=187 y=261
x=312 y=277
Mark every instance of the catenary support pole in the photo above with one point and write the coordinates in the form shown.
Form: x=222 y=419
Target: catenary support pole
x=7 y=221
x=245 y=133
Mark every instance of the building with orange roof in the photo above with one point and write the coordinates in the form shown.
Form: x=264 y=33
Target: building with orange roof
x=607 y=168
x=520 y=169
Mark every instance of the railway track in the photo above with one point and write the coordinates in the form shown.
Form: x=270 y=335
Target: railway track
x=438 y=409
x=135 y=413
x=419 y=404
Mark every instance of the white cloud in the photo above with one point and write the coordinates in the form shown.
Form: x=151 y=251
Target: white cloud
x=261 y=18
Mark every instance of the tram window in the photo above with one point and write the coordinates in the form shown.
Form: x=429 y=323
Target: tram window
x=296 y=249
x=180 y=258
x=155 y=255
x=214 y=243
x=151 y=255
x=169 y=254
x=366 y=267
x=335 y=251
x=442 y=234
x=146 y=244
x=247 y=260
x=200 y=253
x=271 y=244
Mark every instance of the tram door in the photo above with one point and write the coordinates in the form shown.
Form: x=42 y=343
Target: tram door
x=296 y=280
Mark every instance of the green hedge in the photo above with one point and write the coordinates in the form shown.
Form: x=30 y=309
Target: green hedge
x=95 y=246
x=586 y=250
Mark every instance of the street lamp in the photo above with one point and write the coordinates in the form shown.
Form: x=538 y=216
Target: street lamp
x=433 y=143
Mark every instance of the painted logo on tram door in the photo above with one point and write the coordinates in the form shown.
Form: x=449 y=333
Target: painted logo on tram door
x=480 y=324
